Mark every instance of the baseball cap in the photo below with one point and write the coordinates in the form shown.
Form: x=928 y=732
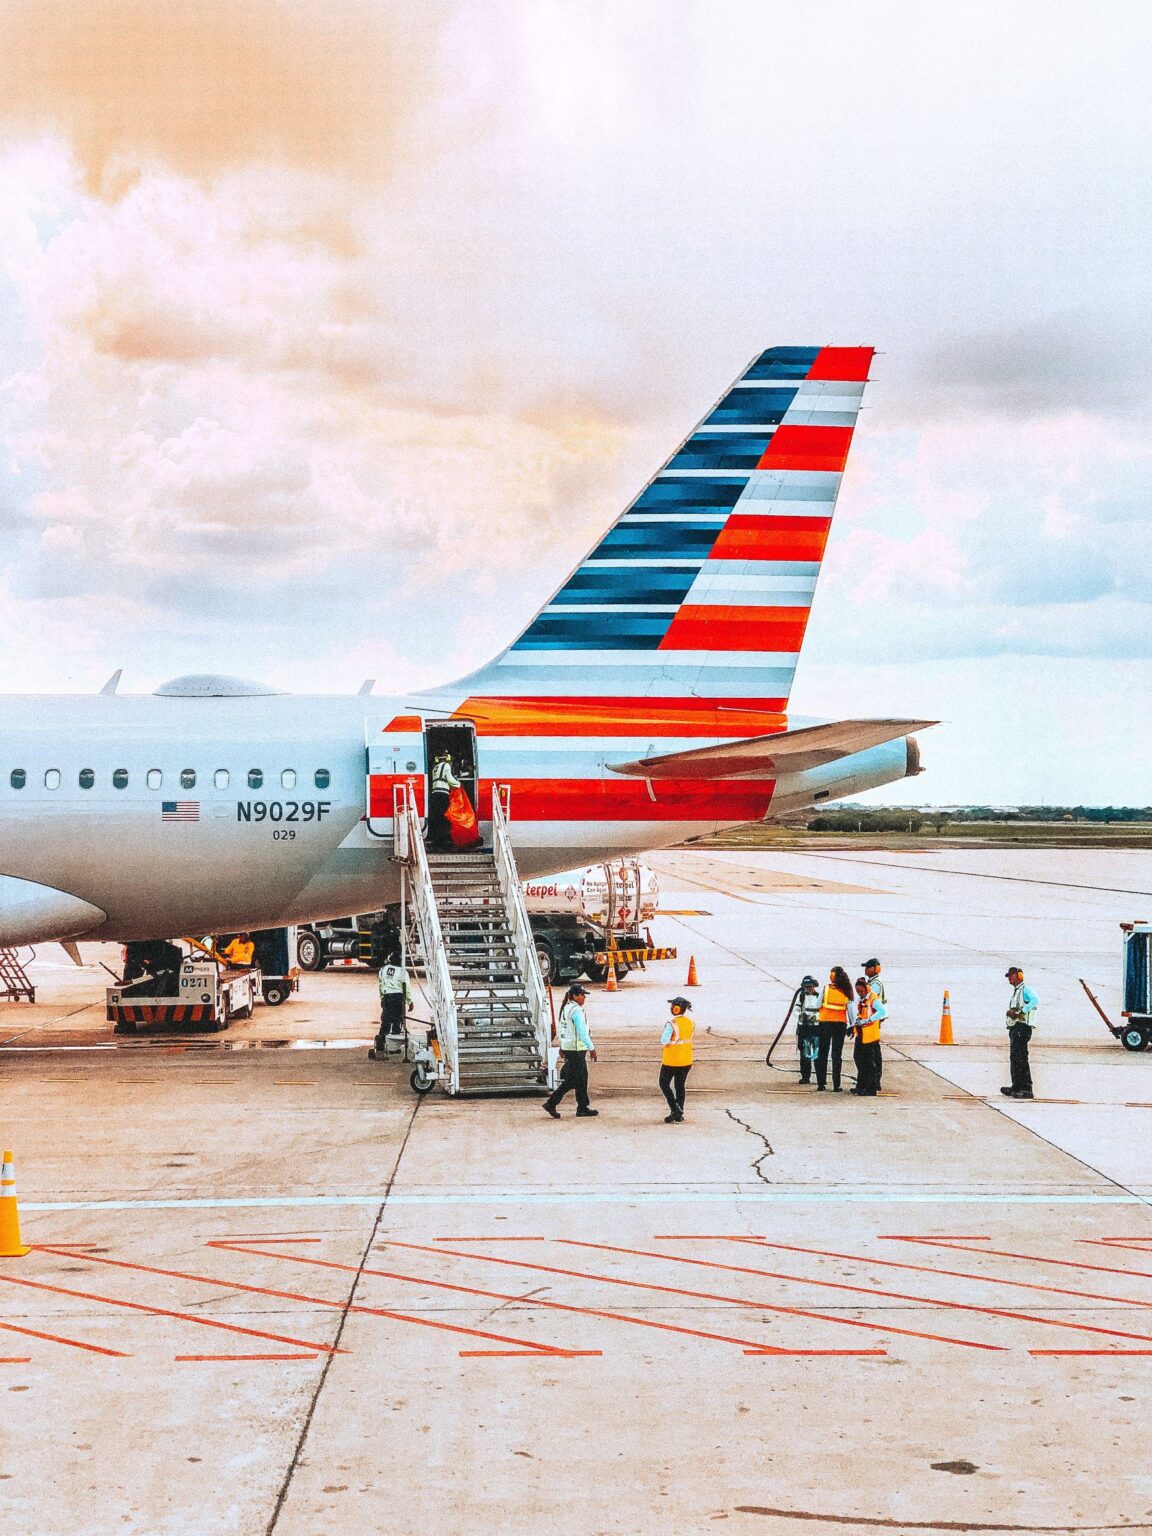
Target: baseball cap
x=683 y=1001
x=867 y=963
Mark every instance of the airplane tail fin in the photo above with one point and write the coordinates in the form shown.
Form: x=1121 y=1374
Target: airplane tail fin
x=692 y=608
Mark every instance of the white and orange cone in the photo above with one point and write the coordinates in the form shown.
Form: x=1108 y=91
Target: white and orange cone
x=10 y=1245
x=946 y=1023
x=693 y=980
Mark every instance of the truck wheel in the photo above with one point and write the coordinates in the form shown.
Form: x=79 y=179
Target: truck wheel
x=309 y=952
x=546 y=955
x=1134 y=1039
x=275 y=993
x=420 y=1081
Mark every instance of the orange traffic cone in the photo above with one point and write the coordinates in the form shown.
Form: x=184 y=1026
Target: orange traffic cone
x=693 y=979
x=946 y=1023
x=10 y=1245
x=612 y=985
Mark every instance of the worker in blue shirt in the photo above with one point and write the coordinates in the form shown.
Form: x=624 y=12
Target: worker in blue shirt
x=576 y=1048
x=1020 y=1016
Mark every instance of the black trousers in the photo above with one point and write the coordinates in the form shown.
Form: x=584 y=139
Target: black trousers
x=439 y=836
x=574 y=1077
x=672 y=1081
x=392 y=1013
x=868 y=1059
x=1018 y=1038
x=831 y=1044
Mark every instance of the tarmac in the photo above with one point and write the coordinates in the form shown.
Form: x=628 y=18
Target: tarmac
x=272 y=1291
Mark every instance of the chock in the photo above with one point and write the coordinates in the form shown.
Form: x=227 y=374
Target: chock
x=693 y=979
x=10 y=1245
x=946 y=1023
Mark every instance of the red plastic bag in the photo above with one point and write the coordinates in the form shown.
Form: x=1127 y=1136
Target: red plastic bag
x=463 y=827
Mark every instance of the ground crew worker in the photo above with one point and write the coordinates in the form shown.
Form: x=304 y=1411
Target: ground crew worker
x=444 y=781
x=835 y=1014
x=676 y=1060
x=807 y=1027
x=240 y=950
x=1021 y=1011
x=576 y=1048
x=395 y=1001
x=876 y=988
x=866 y=1050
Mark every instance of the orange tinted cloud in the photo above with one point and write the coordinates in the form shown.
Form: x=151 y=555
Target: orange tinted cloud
x=206 y=85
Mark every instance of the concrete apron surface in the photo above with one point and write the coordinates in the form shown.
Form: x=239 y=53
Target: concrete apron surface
x=271 y=1292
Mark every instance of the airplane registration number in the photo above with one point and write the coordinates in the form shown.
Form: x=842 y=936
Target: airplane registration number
x=282 y=810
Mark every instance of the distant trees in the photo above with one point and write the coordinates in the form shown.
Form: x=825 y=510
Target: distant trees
x=890 y=818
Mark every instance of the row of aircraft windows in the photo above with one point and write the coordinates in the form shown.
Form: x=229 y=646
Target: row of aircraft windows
x=154 y=778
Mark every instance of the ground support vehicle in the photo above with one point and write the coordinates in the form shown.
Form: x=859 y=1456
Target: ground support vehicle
x=589 y=921
x=1135 y=1033
x=206 y=997
x=365 y=938
x=275 y=959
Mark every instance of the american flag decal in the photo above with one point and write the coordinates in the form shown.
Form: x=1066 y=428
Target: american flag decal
x=180 y=810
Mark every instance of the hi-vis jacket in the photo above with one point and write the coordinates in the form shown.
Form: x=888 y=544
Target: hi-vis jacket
x=833 y=1006
x=1022 y=1008
x=443 y=779
x=572 y=1029
x=239 y=953
x=677 y=1040
x=393 y=979
x=869 y=1016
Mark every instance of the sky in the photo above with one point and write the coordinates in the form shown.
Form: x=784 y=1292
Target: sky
x=332 y=335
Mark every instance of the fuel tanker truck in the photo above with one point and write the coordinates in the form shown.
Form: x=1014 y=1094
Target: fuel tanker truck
x=592 y=920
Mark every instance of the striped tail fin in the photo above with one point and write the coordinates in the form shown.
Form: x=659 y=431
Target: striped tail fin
x=696 y=600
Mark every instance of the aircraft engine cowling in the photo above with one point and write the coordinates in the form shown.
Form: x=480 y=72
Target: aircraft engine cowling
x=31 y=913
x=885 y=764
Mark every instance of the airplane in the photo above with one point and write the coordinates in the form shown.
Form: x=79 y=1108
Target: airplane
x=645 y=704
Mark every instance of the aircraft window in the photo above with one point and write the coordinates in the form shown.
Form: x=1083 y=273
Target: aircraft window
x=155 y=778
x=255 y=778
x=18 y=778
x=288 y=778
x=87 y=778
x=187 y=778
x=220 y=778
x=52 y=779
x=323 y=778
x=120 y=778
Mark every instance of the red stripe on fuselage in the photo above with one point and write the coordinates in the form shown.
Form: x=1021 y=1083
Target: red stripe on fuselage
x=573 y=716
x=628 y=799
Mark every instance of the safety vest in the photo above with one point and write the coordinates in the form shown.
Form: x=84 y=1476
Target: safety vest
x=570 y=1041
x=678 y=1051
x=867 y=1022
x=443 y=779
x=240 y=953
x=833 y=1006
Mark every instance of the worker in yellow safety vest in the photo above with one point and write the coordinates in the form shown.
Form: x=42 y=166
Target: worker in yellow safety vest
x=676 y=1062
x=870 y=1013
x=240 y=951
x=835 y=1015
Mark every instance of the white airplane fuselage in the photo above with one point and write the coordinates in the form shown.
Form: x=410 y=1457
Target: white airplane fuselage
x=296 y=846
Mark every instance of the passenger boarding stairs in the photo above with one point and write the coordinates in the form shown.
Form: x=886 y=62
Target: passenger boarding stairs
x=14 y=983
x=469 y=926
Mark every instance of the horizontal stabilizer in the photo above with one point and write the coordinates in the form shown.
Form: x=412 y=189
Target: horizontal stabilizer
x=809 y=746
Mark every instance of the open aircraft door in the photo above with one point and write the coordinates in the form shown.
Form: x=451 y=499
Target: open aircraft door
x=396 y=756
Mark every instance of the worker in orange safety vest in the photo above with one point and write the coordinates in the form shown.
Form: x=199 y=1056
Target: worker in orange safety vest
x=835 y=1015
x=676 y=1058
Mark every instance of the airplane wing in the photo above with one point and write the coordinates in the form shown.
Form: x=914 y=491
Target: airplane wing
x=785 y=752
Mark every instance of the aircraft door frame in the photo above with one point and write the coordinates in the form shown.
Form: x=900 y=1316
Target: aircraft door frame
x=395 y=756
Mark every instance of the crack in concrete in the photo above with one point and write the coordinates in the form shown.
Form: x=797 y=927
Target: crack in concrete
x=769 y=1150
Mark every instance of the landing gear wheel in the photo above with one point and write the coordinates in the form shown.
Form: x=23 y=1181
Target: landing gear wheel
x=275 y=993
x=309 y=952
x=1134 y=1039
x=420 y=1081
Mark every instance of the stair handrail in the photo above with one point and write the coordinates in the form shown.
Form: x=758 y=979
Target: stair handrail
x=520 y=929
x=437 y=977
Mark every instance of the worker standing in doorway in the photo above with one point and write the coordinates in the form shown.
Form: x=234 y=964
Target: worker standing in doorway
x=444 y=781
x=879 y=1000
x=576 y=1048
x=676 y=1061
x=835 y=1015
x=1021 y=1011
x=395 y=1001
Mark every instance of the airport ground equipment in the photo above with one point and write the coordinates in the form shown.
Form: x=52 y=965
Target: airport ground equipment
x=275 y=960
x=207 y=996
x=1135 y=1034
x=591 y=920
x=467 y=928
x=365 y=937
x=14 y=984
